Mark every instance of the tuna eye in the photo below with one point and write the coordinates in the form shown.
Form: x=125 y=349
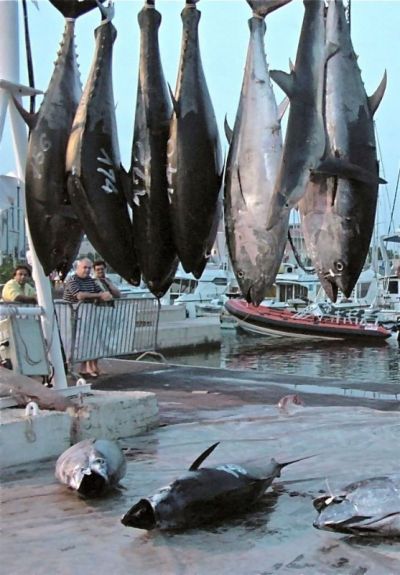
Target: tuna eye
x=241 y=275
x=339 y=266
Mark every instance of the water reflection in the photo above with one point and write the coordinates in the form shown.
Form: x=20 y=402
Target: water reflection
x=350 y=361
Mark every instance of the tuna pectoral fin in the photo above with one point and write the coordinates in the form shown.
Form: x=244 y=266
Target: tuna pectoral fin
x=196 y=464
x=126 y=181
x=338 y=168
x=67 y=212
x=228 y=130
x=375 y=99
x=283 y=106
x=285 y=81
x=175 y=103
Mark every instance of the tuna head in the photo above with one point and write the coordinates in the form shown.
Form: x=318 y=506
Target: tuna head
x=141 y=516
x=91 y=480
x=337 y=516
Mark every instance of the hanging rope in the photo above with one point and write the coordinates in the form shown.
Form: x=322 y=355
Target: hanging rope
x=29 y=60
x=297 y=256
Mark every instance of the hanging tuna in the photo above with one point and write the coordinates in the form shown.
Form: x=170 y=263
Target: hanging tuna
x=252 y=167
x=194 y=155
x=94 y=166
x=338 y=210
x=149 y=199
x=55 y=229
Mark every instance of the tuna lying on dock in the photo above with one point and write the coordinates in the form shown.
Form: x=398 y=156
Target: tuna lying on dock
x=91 y=467
x=367 y=507
x=204 y=495
x=252 y=168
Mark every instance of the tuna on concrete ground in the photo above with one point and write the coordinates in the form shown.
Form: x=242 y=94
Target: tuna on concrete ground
x=51 y=530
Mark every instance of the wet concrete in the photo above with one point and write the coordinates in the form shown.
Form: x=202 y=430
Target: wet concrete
x=48 y=529
x=186 y=393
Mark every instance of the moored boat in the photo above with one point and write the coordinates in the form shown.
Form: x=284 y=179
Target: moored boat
x=317 y=320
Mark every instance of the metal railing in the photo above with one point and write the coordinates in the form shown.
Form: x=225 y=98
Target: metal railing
x=109 y=329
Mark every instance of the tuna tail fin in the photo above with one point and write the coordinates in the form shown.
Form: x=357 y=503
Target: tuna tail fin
x=263 y=7
x=196 y=464
x=74 y=8
x=375 y=99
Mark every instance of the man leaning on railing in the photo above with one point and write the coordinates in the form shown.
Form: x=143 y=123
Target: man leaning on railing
x=82 y=287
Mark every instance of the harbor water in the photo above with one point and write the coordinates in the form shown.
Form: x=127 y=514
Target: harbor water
x=344 y=360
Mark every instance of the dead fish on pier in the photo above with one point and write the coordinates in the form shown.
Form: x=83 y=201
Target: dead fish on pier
x=252 y=167
x=91 y=467
x=55 y=229
x=204 y=495
x=367 y=507
x=338 y=209
x=290 y=403
x=149 y=195
x=195 y=163
x=93 y=162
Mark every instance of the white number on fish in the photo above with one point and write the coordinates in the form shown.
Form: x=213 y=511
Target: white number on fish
x=110 y=184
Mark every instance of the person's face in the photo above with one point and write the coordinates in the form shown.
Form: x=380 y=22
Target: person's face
x=83 y=269
x=100 y=271
x=21 y=276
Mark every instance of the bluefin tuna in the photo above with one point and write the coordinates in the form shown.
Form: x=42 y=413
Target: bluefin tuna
x=195 y=162
x=204 y=495
x=252 y=167
x=95 y=182
x=304 y=144
x=91 y=467
x=338 y=209
x=366 y=507
x=152 y=226
x=55 y=229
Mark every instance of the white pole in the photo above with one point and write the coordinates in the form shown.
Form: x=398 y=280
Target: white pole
x=9 y=70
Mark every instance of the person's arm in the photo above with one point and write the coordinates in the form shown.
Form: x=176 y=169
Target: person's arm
x=89 y=296
x=25 y=299
x=11 y=295
x=112 y=288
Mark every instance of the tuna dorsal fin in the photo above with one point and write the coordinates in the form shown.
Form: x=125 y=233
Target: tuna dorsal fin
x=196 y=464
x=74 y=8
x=228 y=130
x=285 y=81
x=375 y=99
x=340 y=168
x=175 y=102
x=283 y=106
x=29 y=118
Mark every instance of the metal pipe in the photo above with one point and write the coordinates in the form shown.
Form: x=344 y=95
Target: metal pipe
x=9 y=70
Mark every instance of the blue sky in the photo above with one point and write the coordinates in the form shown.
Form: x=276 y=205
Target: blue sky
x=224 y=36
